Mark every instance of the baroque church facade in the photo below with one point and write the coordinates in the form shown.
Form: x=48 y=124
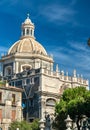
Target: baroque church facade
x=28 y=66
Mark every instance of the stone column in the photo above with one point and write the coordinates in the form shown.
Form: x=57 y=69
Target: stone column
x=41 y=108
x=17 y=67
x=25 y=31
x=14 y=67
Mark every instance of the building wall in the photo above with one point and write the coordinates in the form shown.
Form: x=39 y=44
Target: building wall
x=16 y=63
x=44 y=88
x=52 y=85
x=41 y=95
x=10 y=107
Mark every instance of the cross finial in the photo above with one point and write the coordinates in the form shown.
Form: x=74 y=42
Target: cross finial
x=28 y=15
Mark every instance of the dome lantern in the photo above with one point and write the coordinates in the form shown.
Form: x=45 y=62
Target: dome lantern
x=27 y=28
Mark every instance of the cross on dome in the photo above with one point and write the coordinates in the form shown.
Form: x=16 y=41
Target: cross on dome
x=28 y=15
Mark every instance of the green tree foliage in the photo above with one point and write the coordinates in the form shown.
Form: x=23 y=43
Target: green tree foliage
x=24 y=125
x=74 y=101
x=35 y=125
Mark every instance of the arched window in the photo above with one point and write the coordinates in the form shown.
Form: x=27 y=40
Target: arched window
x=8 y=70
x=50 y=102
x=27 y=31
x=23 y=32
x=31 y=33
x=26 y=67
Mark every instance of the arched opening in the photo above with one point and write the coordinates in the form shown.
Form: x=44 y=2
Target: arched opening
x=23 y=32
x=31 y=32
x=50 y=102
x=26 y=67
x=27 y=32
x=8 y=70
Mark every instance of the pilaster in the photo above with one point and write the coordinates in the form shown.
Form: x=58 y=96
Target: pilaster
x=17 y=65
x=41 y=108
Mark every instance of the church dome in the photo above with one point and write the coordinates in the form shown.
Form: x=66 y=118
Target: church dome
x=27 y=43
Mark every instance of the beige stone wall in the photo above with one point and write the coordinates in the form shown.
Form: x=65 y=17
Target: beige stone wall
x=52 y=86
x=7 y=107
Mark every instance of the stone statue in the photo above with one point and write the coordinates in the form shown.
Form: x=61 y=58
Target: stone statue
x=48 y=122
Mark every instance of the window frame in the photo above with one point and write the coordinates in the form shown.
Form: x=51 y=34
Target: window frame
x=13 y=99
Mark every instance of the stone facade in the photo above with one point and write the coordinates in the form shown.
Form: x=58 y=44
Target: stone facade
x=10 y=105
x=43 y=89
x=28 y=66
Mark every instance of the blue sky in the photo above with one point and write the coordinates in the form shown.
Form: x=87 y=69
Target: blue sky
x=61 y=26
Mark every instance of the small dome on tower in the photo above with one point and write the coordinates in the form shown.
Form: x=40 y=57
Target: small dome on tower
x=28 y=20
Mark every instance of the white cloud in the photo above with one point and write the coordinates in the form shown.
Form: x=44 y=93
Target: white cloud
x=76 y=56
x=78 y=45
x=58 y=13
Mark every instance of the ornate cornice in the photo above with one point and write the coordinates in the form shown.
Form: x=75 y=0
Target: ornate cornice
x=28 y=56
x=50 y=94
